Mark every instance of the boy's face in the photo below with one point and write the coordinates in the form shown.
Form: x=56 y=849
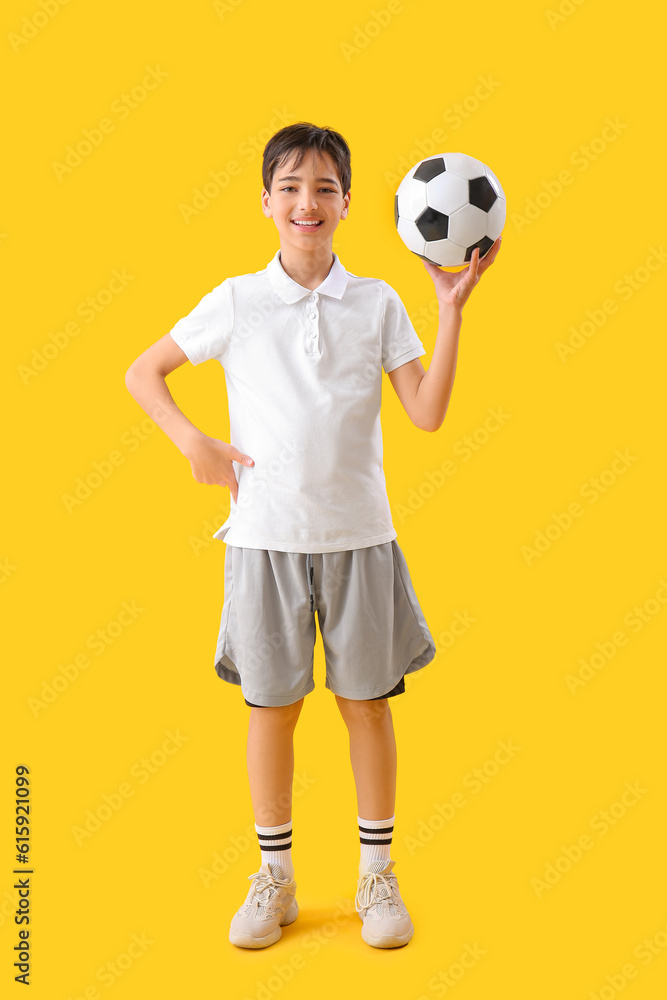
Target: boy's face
x=311 y=191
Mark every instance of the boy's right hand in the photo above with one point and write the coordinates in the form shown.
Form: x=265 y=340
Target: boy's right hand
x=211 y=462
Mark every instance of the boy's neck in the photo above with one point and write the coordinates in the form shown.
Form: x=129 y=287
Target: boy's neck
x=308 y=269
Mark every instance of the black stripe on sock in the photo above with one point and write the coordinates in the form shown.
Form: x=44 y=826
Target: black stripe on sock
x=274 y=836
x=380 y=829
x=276 y=847
x=363 y=840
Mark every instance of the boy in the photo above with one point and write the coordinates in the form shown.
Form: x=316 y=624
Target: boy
x=303 y=343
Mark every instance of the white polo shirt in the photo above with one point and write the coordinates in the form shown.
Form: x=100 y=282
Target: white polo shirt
x=303 y=371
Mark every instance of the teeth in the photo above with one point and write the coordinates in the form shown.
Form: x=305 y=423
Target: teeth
x=306 y=223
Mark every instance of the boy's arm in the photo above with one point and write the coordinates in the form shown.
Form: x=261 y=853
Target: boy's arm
x=145 y=381
x=210 y=459
x=425 y=394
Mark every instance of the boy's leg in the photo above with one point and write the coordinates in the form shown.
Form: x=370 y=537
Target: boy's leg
x=269 y=600
x=372 y=753
x=271 y=900
x=270 y=761
x=386 y=921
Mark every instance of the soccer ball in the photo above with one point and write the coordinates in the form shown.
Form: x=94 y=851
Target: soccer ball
x=448 y=204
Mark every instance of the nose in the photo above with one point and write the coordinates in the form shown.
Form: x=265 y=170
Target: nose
x=307 y=199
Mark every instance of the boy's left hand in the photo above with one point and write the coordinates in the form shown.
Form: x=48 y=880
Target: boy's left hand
x=453 y=289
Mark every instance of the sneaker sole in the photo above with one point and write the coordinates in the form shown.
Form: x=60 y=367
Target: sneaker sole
x=247 y=941
x=387 y=940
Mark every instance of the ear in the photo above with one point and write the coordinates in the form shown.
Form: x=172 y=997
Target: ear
x=266 y=204
x=346 y=205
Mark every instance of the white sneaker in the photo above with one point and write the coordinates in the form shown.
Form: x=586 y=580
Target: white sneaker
x=270 y=904
x=386 y=921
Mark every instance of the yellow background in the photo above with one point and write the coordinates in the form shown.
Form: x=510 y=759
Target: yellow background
x=142 y=536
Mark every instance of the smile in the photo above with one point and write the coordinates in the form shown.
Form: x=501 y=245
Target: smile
x=307 y=225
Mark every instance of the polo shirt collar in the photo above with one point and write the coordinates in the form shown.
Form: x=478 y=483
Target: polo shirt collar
x=290 y=291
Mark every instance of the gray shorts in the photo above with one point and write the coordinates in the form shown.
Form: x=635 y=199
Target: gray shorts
x=372 y=627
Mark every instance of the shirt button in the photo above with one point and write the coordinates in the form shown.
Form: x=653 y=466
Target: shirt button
x=311 y=298
x=312 y=315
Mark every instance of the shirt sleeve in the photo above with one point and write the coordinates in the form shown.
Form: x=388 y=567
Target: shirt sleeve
x=206 y=331
x=400 y=342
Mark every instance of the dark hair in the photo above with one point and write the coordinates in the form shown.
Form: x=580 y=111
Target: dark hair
x=302 y=137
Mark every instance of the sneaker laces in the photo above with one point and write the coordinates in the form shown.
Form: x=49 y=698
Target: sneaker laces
x=265 y=886
x=374 y=889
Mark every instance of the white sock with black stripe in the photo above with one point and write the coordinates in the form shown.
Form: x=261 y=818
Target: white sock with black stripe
x=375 y=841
x=276 y=846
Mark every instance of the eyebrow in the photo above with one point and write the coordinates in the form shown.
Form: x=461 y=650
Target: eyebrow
x=293 y=177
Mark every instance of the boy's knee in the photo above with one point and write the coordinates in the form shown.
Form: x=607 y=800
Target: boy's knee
x=367 y=712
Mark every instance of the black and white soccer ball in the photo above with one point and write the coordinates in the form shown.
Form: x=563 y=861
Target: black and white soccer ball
x=448 y=204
